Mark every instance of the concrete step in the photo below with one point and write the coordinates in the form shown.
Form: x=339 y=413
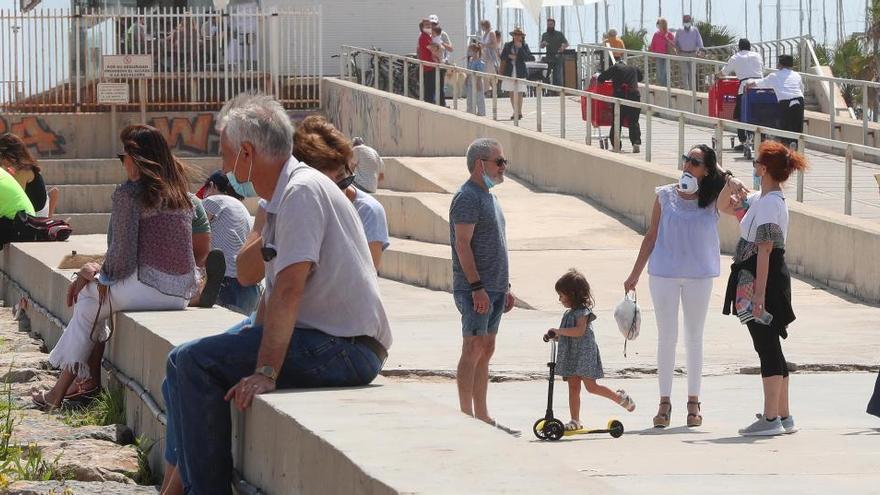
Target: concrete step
x=404 y=174
x=90 y=198
x=87 y=223
x=110 y=170
x=420 y=216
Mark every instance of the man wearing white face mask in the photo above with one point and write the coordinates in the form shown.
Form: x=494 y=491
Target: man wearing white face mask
x=480 y=277
x=689 y=43
x=683 y=255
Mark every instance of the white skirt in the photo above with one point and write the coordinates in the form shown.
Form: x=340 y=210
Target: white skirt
x=512 y=86
x=75 y=345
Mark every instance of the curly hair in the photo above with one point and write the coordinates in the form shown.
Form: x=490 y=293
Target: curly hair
x=319 y=144
x=574 y=286
x=13 y=150
x=163 y=176
x=779 y=160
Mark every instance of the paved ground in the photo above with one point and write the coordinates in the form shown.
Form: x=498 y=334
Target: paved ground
x=823 y=185
x=836 y=451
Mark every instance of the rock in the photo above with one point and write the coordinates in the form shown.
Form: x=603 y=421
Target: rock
x=36 y=427
x=20 y=375
x=93 y=460
x=78 y=488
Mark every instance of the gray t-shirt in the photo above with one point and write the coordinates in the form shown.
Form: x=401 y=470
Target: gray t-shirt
x=373 y=217
x=230 y=224
x=474 y=205
x=369 y=165
x=310 y=219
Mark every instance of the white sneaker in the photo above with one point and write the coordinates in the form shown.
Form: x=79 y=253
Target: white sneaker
x=763 y=428
x=787 y=423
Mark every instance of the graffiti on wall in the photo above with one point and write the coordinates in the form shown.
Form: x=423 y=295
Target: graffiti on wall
x=36 y=134
x=194 y=134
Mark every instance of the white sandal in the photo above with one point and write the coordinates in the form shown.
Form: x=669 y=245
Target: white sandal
x=626 y=401
x=573 y=426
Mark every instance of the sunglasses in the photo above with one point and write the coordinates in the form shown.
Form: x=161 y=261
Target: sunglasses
x=346 y=182
x=689 y=159
x=499 y=162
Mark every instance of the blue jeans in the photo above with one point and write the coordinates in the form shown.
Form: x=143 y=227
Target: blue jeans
x=662 y=66
x=200 y=372
x=476 y=101
x=237 y=297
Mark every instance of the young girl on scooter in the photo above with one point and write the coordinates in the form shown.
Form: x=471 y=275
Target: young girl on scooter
x=578 y=360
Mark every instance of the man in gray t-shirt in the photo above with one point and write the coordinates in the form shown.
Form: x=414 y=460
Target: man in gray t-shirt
x=480 y=276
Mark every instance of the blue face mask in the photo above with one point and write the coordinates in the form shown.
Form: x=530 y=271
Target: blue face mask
x=245 y=189
x=487 y=181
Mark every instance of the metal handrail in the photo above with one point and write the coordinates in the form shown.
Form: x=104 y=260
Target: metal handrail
x=650 y=110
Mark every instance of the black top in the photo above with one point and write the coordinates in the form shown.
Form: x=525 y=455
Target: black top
x=36 y=192
x=778 y=294
x=624 y=78
x=523 y=55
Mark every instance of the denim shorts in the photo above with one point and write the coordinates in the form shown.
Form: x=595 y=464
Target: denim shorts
x=474 y=324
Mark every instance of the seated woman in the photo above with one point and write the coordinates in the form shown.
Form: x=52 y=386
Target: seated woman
x=19 y=162
x=149 y=263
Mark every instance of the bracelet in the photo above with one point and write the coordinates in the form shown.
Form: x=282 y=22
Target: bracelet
x=477 y=285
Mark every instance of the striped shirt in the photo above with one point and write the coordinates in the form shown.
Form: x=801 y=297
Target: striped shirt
x=230 y=224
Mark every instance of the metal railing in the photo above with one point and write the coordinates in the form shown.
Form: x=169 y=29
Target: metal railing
x=770 y=50
x=589 y=66
x=358 y=73
x=199 y=57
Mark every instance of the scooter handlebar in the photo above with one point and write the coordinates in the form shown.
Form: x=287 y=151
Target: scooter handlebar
x=549 y=335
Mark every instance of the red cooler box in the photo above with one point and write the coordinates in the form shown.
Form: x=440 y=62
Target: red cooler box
x=722 y=97
x=602 y=112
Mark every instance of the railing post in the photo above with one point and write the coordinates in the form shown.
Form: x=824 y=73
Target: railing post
x=390 y=75
x=668 y=82
x=719 y=140
x=562 y=113
x=437 y=89
x=615 y=144
x=865 y=114
x=832 y=110
x=693 y=76
x=474 y=95
x=76 y=34
x=495 y=83
x=455 y=96
x=421 y=82
x=648 y=113
x=647 y=73
x=800 y=174
x=406 y=77
x=342 y=58
x=538 y=126
x=588 y=138
x=376 y=73
x=680 y=136
x=847 y=194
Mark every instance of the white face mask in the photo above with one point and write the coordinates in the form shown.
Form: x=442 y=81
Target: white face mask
x=688 y=184
x=687 y=26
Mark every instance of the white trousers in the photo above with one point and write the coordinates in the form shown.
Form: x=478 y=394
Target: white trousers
x=73 y=348
x=694 y=294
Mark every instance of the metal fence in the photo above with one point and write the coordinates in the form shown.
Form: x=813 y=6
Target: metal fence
x=403 y=75
x=51 y=59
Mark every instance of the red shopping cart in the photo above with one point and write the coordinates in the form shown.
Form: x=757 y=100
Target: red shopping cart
x=601 y=112
x=722 y=101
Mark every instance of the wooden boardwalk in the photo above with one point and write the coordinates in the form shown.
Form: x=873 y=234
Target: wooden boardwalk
x=823 y=181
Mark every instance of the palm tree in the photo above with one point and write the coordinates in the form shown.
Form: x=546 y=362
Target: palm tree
x=634 y=39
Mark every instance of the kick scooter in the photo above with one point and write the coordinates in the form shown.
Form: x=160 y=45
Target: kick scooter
x=550 y=428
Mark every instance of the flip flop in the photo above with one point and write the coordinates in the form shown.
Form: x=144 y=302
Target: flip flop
x=42 y=404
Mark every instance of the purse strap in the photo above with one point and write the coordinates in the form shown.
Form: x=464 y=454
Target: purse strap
x=98 y=318
x=632 y=324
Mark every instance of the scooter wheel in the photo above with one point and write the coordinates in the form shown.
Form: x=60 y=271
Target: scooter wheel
x=553 y=429
x=538 y=429
x=615 y=428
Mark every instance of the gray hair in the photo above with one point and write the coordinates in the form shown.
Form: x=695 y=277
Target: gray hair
x=612 y=33
x=261 y=121
x=480 y=149
x=236 y=101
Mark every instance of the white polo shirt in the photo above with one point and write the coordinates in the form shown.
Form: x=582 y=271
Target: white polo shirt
x=744 y=64
x=310 y=219
x=785 y=82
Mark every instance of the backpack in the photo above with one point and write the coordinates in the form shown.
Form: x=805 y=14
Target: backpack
x=40 y=229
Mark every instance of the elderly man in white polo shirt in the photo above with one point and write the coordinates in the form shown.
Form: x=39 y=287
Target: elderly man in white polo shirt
x=369 y=168
x=745 y=65
x=789 y=90
x=320 y=322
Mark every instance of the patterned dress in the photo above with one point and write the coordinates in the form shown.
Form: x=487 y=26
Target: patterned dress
x=578 y=356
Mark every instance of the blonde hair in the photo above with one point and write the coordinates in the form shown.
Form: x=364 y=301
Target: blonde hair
x=662 y=21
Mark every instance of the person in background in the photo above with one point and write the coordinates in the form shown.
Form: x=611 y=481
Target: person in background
x=19 y=162
x=688 y=43
x=13 y=200
x=554 y=43
x=745 y=65
x=514 y=57
x=759 y=286
x=230 y=224
x=474 y=87
x=874 y=403
x=663 y=42
x=369 y=168
x=789 y=88
x=625 y=80
x=446 y=49
x=489 y=45
x=614 y=42
x=425 y=55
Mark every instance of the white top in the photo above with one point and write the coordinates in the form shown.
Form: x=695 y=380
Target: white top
x=786 y=82
x=744 y=64
x=373 y=218
x=767 y=209
x=310 y=219
x=687 y=243
x=230 y=224
x=368 y=165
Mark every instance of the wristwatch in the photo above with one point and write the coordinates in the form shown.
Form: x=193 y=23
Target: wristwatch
x=268 y=371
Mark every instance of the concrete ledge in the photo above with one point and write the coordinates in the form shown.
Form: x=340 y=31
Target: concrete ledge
x=399 y=177
x=418 y=263
x=370 y=440
x=109 y=170
x=828 y=247
x=421 y=216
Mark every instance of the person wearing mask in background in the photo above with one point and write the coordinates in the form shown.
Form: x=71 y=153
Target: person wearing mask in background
x=662 y=42
x=369 y=168
x=446 y=49
x=745 y=65
x=688 y=43
x=425 y=55
x=625 y=80
x=789 y=90
x=554 y=43
x=230 y=224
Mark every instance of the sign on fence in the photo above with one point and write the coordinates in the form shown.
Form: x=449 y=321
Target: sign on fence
x=127 y=66
x=112 y=93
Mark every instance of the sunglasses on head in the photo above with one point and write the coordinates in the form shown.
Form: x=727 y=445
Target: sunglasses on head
x=690 y=159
